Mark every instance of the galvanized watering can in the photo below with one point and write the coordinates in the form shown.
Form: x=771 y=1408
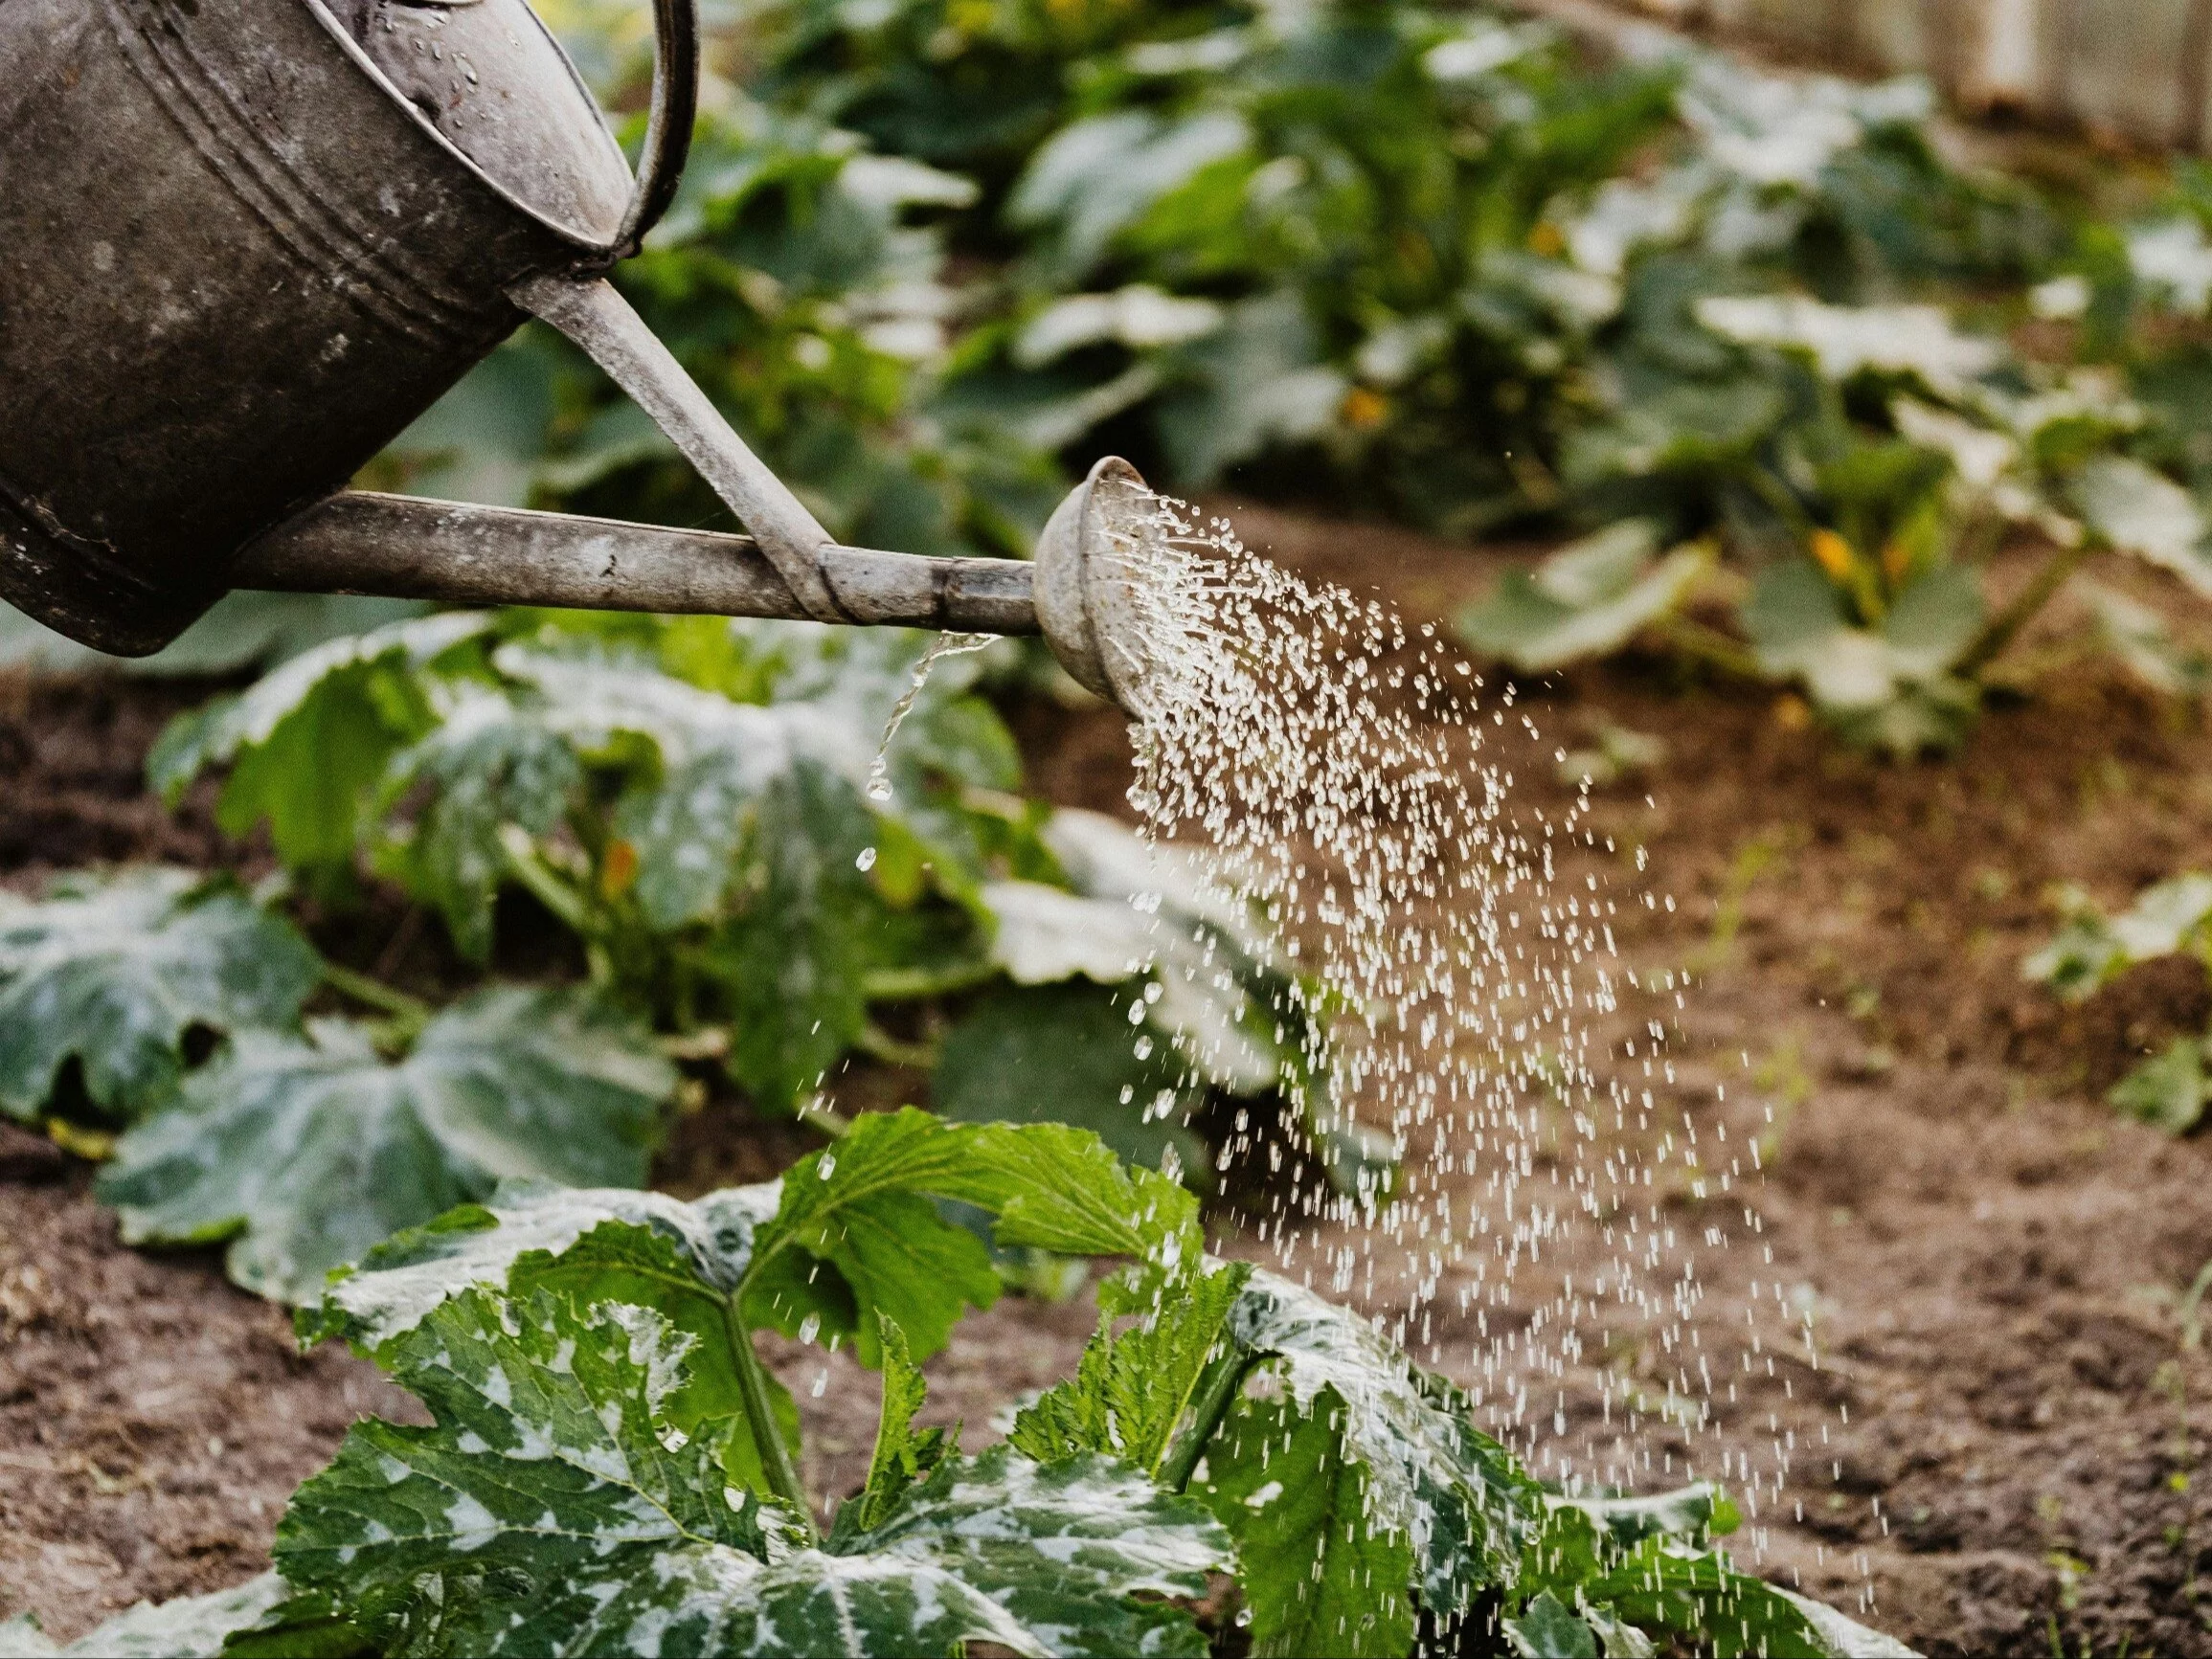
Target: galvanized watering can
x=244 y=243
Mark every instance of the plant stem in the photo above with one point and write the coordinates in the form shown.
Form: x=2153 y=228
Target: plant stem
x=911 y=984
x=2062 y=563
x=1218 y=1388
x=760 y=1416
x=1711 y=647
x=556 y=895
x=831 y=1123
x=409 y=1011
x=880 y=1045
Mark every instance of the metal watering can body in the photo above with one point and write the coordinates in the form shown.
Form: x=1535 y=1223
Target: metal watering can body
x=244 y=244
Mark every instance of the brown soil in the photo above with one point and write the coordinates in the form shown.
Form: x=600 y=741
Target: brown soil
x=1996 y=1430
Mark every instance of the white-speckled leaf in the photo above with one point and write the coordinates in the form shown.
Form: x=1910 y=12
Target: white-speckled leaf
x=1464 y=1505
x=306 y=1151
x=598 y=1245
x=183 y=1627
x=1045 y=935
x=2146 y=513
x=557 y=1509
x=478 y=1245
x=114 y=971
x=1847 y=340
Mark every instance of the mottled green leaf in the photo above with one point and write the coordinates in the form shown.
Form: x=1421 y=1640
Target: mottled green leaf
x=1131 y=1390
x=114 y=971
x=185 y=1627
x=794 y=958
x=308 y=742
x=1321 y=1570
x=1545 y=1629
x=1462 y=1504
x=1669 y=1587
x=2130 y=507
x=1844 y=341
x=1584 y=601
x=597 y=1245
x=554 y=1509
x=306 y=1152
x=485 y=765
x=2089 y=950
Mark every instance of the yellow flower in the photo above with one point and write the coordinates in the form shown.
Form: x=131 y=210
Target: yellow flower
x=618 y=871
x=1896 y=560
x=1834 y=555
x=1363 y=409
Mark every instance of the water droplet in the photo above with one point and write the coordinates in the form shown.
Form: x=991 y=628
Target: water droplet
x=867 y=859
x=808 y=1327
x=825 y=1165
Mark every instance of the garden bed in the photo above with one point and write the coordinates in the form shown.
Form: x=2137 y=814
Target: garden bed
x=2003 y=1427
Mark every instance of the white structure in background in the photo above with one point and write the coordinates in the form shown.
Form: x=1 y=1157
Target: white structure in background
x=2139 y=69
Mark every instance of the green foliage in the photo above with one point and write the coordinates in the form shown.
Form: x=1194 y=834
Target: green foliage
x=306 y=1150
x=1132 y=1390
x=1626 y=1570
x=114 y=973
x=558 y=1507
x=1458 y=1499
x=1319 y=1577
x=2090 y=950
x=2173 y=917
x=310 y=740
x=855 y=1233
x=585 y=1485
x=1585 y=601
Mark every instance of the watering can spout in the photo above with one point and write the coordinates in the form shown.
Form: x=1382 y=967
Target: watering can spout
x=246 y=242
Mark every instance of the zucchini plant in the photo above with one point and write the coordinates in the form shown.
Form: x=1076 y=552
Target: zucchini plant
x=610 y=1466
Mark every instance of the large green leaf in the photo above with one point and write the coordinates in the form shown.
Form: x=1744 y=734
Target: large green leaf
x=1584 y=601
x=1318 y=1576
x=1844 y=341
x=1632 y=1569
x=855 y=1233
x=684 y=1260
x=796 y=963
x=556 y=1508
x=1463 y=1505
x=1666 y=1588
x=306 y=1151
x=2168 y=1090
x=1889 y=688
x=2128 y=506
x=308 y=742
x=846 y=1235
x=114 y=971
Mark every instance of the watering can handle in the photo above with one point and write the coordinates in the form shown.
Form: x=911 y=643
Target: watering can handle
x=675 y=106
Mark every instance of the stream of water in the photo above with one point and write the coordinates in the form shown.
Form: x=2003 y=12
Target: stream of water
x=1321 y=761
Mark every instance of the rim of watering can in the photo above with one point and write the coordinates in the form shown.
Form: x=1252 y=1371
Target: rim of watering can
x=667 y=145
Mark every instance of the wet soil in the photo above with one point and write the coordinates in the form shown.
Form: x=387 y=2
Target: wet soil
x=1951 y=1299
